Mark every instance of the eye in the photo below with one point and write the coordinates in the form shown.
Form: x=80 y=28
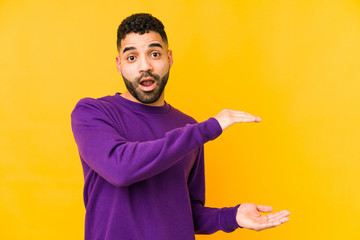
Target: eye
x=131 y=58
x=155 y=54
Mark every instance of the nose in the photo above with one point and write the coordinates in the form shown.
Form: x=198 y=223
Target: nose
x=145 y=65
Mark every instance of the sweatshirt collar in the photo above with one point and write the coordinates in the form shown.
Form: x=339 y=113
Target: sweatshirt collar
x=139 y=107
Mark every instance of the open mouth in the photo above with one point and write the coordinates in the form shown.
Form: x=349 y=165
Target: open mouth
x=147 y=84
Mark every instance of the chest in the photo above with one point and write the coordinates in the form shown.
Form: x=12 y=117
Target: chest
x=140 y=128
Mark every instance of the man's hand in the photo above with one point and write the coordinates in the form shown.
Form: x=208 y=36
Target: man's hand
x=248 y=216
x=228 y=117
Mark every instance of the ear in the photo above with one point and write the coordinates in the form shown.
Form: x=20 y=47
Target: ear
x=170 y=56
x=118 y=63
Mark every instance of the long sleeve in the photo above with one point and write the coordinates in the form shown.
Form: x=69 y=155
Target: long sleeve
x=122 y=162
x=207 y=220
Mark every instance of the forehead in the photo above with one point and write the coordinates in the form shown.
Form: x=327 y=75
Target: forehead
x=141 y=40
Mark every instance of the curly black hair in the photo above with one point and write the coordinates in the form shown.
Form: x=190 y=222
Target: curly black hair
x=140 y=23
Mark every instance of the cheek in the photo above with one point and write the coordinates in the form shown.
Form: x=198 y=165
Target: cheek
x=163 y=68
x=128 y=72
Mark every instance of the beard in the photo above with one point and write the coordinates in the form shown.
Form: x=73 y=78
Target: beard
x=150 y=96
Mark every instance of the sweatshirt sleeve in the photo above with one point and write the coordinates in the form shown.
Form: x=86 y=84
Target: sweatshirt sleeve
x=110 y=155
x=207 y=220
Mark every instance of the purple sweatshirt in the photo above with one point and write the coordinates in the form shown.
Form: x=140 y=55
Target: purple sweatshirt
x=144 y=171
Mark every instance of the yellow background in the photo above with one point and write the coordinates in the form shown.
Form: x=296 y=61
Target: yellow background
x=293 y=63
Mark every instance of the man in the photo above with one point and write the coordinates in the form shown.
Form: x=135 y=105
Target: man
x=143 y=160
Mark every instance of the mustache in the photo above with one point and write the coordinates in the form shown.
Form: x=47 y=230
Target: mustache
x=146 y=75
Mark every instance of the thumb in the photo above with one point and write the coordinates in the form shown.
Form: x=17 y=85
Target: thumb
x=263 y=208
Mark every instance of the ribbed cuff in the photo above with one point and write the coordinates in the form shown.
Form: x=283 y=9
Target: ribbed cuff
x=210 y=129
x=228 y=219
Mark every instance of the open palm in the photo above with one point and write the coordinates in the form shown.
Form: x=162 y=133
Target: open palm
x=248 y=216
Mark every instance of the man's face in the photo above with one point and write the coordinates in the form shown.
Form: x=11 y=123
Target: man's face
x=144 y=62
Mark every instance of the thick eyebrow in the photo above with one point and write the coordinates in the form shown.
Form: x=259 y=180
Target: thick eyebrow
x=155 y=45
x=128 y=49
x=150 y=46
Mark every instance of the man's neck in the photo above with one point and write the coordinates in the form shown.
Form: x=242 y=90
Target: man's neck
x=160 y=102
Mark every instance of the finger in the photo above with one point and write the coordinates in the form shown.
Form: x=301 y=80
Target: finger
x=273 y=216
x=284 y=220
x=278 y=216
x=243 y=114
x=278 y=222
x=252 y=118
x=247 y=119
x=263 y=208
x=283 y=213
x=239 y=116
x=279 y=219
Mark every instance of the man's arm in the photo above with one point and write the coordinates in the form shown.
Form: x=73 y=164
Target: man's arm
x=112 y=156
